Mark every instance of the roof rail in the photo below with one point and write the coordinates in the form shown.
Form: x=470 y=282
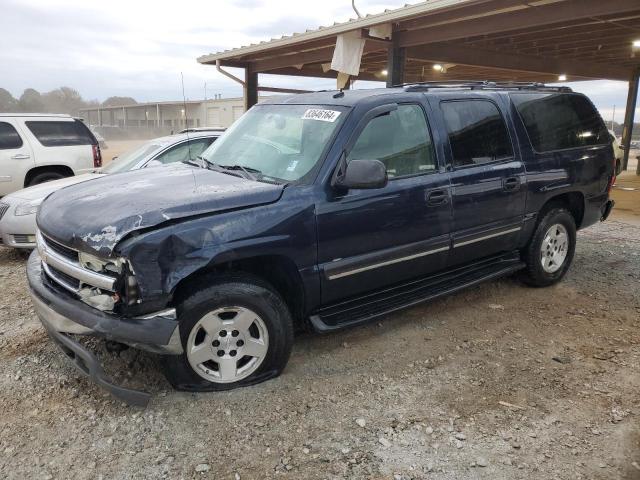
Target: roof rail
x=481 y=85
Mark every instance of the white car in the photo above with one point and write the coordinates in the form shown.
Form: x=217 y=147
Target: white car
x=18 y=210
x=618 y=151
x=38 y=148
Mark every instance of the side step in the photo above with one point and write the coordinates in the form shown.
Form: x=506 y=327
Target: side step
x=368 y=307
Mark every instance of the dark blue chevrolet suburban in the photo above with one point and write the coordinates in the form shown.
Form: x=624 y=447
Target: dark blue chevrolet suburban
x=322 y=211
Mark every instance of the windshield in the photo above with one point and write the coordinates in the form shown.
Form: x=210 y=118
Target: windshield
x=277 y=142
x=129 y=160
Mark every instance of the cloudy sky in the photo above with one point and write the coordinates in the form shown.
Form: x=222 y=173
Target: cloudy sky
x=139 y=48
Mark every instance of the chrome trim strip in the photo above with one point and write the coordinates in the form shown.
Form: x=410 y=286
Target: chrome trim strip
x=486 y=237
x=71 y=268
x=388 y=262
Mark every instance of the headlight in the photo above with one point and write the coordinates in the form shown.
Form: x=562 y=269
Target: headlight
x=99 y=265
x=28 y=208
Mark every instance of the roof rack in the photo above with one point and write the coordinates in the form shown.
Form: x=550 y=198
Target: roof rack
x=482 y=85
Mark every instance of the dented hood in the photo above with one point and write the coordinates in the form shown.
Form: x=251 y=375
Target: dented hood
x=94 y=216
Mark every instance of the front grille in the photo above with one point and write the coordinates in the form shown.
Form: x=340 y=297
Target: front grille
x=62 y=266
x=3 y=209
x=63 y=279
x=61 y=249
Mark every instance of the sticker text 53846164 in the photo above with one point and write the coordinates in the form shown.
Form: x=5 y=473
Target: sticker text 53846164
x=321 y=114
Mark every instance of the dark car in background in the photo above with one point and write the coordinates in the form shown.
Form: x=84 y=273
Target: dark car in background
x=323 y=211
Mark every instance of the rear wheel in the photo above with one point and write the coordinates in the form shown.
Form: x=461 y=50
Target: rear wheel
x=550 y=251
x=44 y=177
x=236 y=332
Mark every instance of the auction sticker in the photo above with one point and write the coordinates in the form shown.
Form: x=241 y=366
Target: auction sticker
x=321 y=114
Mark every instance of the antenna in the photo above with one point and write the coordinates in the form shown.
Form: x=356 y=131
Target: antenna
x=353 y=4
x=186 y=118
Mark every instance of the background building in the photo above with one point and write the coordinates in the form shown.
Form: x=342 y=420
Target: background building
x=146 y=120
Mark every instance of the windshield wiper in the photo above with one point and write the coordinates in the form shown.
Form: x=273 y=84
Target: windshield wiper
x=248 y=171
x=209 y=165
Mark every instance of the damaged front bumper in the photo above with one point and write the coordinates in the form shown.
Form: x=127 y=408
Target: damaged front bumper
x=63 y=315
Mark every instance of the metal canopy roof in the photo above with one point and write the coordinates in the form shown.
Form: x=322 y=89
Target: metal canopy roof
x=519 y=40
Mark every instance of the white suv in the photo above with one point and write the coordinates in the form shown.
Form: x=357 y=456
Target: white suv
x=37 y=148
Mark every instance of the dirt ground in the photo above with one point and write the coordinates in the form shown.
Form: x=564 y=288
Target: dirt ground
x=498 y=382
x=115 y=148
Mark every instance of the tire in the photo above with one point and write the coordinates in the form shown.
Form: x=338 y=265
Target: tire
x=256 y=321
x=545 y=269
x=45 y=177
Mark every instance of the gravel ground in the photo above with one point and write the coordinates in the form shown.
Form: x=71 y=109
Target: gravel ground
x=498 y=382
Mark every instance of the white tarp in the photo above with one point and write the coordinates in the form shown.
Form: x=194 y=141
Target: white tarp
x=348 y=53
x=381 y=31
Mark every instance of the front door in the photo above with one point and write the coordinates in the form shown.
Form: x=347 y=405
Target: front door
x=487 y=180
x=368 y=239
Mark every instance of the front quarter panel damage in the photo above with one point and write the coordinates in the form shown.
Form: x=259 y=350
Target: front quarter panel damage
x=162 y=258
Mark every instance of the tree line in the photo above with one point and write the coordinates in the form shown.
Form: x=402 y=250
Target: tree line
x=61 y=100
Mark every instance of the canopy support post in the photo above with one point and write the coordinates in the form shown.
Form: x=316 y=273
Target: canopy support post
x=250 y=88
x=396 y=59
x=629 y=116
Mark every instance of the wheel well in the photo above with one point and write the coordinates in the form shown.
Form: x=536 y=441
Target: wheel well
x=573 y=201
x=278 y=271
x=61 y=169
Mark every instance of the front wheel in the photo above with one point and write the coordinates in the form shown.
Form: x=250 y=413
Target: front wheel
x=235 y=332
x=551 y=249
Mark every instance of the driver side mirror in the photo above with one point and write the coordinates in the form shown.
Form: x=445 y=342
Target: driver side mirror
x=363 y=174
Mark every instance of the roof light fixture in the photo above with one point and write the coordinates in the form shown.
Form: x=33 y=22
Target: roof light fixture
x=438 y=67
x=562 y=77
x=636 y=44
x=384 y=72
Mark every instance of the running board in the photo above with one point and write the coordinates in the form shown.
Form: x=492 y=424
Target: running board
x=368 y=307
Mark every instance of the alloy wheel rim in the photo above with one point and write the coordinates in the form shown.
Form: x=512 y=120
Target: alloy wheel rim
x=227 y=344
x=554 y=248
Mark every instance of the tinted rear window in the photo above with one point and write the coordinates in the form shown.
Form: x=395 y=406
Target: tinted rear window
x=559 y=121
x=60 y=134
x=9 y=138
x=477 y=132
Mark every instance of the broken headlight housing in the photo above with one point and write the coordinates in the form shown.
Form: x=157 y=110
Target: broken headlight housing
x=99 y=265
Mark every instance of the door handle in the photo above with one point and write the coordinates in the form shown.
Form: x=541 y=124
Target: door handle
x=21 y=156
x=437 y=197
x=511 y=183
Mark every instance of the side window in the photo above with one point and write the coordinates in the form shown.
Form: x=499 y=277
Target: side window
x=477 y=132
x=61 y=133
x=190 y=150
x=9 y=137
x=559 y=121
x=399 y=139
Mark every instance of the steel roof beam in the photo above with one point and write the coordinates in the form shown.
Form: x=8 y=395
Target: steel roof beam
x=550 y=14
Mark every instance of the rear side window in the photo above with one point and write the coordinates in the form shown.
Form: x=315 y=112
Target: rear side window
x=477 y=132
x=559 y=121
x=187 y=151
x=61 y=134
x=400 y=139
x=9 y=137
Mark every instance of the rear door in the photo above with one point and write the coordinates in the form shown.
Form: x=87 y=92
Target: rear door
x=487 y=178
x=368 y=239
x=62 y=141
x=16 y=158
